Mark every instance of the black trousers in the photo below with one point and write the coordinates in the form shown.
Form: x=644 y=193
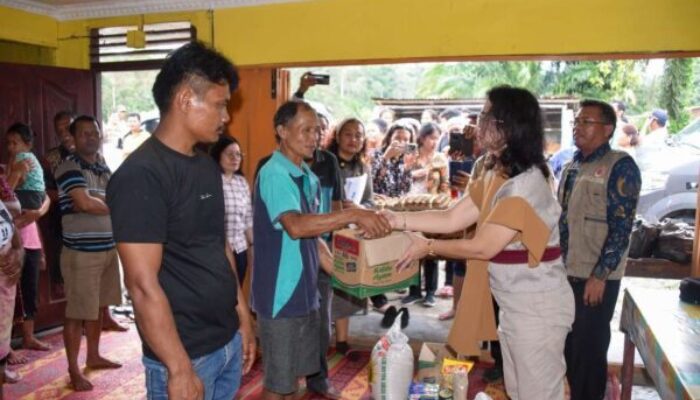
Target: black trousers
x=29 y=282
x=495 y=345
x=430 y=276
x=586 y=349
x=449 y=272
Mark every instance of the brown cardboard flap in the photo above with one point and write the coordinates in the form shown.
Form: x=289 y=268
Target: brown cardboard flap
x=386 y=249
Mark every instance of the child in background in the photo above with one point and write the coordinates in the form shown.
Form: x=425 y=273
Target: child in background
x=30 y=188
x=27 y=178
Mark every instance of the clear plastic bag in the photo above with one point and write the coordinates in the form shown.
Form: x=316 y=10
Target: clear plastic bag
x=392 y=365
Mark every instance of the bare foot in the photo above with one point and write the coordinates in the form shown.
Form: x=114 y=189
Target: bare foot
x=112 y=325
x=12 y=376
x=15 y=358
x=35 y=344
x=101 y=363
x=79 y=382
x=446 y=316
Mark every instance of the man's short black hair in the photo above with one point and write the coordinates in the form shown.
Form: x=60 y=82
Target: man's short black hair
x=135 y=115
x=607 y=112
x=73 y=128
x=287 y=111
x=193 y=60
x=63 y=114
x=23 y=130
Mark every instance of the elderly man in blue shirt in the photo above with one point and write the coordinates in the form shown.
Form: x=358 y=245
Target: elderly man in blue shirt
x=287 y=227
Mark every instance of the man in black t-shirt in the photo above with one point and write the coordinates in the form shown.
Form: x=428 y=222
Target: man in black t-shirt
x=167 y=208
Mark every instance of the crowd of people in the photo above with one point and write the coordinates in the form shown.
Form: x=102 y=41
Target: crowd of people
x=543 y=261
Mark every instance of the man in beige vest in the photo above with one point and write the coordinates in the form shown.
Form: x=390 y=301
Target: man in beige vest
x=598 y=193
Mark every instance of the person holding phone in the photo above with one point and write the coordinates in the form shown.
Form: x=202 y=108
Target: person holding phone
x=306 y=81
x=429 y=175
x=391 y=175
x=393 y=161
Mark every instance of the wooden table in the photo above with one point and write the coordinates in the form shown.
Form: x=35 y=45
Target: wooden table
x=666 y=332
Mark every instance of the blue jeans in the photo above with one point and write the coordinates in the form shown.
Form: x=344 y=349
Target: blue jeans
x=220 y=372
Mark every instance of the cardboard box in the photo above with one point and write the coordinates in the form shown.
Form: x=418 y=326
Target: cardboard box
x=365 y=268
x=430 y=361
x=436 y=362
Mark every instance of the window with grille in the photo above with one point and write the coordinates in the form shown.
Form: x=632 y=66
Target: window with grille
x=109 y=50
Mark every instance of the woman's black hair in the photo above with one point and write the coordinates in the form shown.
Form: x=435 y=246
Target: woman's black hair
x=218 y=148
x=381 y=124
x=333 y=145
x=631 y=131
x=426 y=130
x=390 y=134
x=519 y=118
x=24 y=132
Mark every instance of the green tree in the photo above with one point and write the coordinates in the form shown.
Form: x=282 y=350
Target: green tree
x=130 y=89
x=473 y=79
x=676 y=91
x=606 y=80
x=696 y=82
x=352 y=89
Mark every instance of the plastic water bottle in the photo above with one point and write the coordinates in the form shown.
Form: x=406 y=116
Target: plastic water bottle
x=460 y=385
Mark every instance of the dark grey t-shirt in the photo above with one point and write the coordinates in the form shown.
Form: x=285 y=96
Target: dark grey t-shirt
x=161 y=196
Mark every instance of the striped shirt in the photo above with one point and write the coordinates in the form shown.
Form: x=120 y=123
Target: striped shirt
x=239 y=211
x=83 y=231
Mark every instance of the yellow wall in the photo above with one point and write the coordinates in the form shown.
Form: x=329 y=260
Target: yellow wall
x=352 y=30
x=24 y=27
x=347 y=30
x=20 y=53
x=70 y=39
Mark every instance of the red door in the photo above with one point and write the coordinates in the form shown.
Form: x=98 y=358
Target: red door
x=33 y=95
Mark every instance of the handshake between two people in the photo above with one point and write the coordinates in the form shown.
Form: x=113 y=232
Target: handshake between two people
x=377 y=224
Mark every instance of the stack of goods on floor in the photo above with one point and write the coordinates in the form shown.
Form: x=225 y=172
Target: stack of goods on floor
x=440 y=374
x=419 y=202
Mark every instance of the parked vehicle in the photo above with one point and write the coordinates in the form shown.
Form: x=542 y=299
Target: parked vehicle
x=670 y=185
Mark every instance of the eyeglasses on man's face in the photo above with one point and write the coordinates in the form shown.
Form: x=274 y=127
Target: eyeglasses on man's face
x=586 y=122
